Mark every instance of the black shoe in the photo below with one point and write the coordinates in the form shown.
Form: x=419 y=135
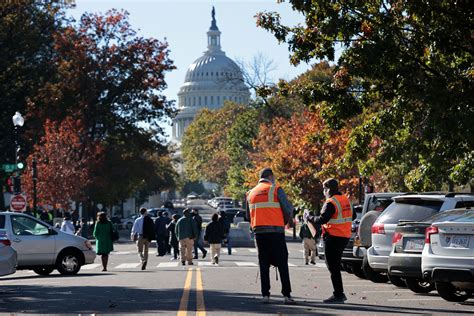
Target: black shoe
x=190 y=263
x=183 y=263
x=204 y=254
x=336 y=299
x=216 y=259
x=306 y=263
x=196 y=257
x=143 y=265
x=312 y=262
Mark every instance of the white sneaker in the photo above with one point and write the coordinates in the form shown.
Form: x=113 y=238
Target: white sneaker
x=288 y=300
x=266 y=300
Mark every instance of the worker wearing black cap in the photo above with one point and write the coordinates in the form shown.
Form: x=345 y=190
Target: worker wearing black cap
x=269 y=210
x=336 y=220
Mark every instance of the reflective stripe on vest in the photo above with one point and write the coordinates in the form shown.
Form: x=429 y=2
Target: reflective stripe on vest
x=265 y=210
x=340 y=224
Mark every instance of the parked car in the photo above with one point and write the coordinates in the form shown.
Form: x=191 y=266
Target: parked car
x=215 y=201
x=448 y=255
x=42 y=248
x=240 y=216
x=231 y=212
x=8 y=257
x=412 y=207
x=127 y=222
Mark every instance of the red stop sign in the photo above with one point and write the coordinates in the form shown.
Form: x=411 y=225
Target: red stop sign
x=18 y=203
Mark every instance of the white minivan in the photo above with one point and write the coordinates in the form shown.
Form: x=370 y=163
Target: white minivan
x=42 y=248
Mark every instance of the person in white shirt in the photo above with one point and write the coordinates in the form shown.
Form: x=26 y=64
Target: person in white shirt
x=67 y=226
x=143 y=233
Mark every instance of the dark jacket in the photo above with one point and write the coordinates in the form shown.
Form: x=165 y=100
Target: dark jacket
x=148 y=229
x=214 y=233
x=186 y=228
x=305 y=232
x=160 y=226
x=170 y=228
x=198 y=220
x=225 y=223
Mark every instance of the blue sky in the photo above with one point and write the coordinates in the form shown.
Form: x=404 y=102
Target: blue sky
x=184 y=25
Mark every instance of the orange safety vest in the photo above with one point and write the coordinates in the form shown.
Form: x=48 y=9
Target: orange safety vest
x=340 y=224
x=265 y=210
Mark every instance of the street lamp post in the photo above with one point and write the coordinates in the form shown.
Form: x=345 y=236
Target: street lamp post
x=18 y=121
x=35 y=178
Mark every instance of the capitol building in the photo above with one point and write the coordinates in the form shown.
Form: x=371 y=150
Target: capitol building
x=210 y=80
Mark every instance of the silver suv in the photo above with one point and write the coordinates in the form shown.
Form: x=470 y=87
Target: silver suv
x=42 y=248
x=410 y=207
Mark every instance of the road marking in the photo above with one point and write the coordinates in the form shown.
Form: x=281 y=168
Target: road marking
x=167 y=265
x=183 y=305
x=253 y=250
x=415 y=299
x=91 y=266
x=123 y=252
x=204 y=263
x=200 y=307
x=246 y=264
x=127 y=266
x=391 y=291
x=292 y=265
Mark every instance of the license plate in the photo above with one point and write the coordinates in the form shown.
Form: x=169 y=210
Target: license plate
x=414 y=244
x=457 y=241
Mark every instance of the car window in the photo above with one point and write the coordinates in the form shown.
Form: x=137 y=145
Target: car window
x=461 y=204
x=452 y=216
x=379 y=203
x=27 y=226
x=2 y=221
x=409 y=209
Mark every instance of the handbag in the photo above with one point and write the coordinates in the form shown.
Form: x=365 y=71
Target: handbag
x=114 y=234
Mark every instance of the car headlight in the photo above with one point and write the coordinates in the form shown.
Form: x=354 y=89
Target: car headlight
x=88 y=244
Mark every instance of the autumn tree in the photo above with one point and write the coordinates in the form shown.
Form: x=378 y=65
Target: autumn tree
x=408 y=66
x=65 y=163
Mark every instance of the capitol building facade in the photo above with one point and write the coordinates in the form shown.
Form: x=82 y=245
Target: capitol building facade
x=210 y=80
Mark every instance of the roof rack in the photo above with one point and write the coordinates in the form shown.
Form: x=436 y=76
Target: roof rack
x=453 y=194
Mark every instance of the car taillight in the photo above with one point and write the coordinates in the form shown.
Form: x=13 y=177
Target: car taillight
x=6 y=242
x=396 y=237
x=378 y=229
x=430 y=231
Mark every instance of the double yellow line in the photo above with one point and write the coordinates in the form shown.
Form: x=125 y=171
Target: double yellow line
x=183 y=305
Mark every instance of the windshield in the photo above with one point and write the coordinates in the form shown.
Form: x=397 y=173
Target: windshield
x=409 y=209
x=452 y=216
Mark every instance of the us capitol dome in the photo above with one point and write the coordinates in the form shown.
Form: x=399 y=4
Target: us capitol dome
x=210 y=80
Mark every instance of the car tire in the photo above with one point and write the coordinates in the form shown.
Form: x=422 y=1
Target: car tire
x=357 y=270
x=68 y=263
x=396 y=280
x=43 y=270
x=418 y=285
x=451 y=293
x=371 y=274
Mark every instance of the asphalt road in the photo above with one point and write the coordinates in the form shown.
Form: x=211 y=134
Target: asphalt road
x=232 y=287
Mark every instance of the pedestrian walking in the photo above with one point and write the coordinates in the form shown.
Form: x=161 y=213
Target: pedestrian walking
x=173 y=241
x=161 y=234
x=67 y=226
x=103 y=238
x=186 y=232
x=269 y=211
x=167 y=240
x=84 y=229
x=224 y=219
x=336 y=220
x=197 y=243
x=143 y=233
x=309 y=242
x=214 y=234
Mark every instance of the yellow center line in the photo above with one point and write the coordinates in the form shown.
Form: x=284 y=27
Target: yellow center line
x=200 y=307
x=183 y=305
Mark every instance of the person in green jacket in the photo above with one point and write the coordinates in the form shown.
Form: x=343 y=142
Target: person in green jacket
x=103 y=238
x=309 y=243
x=186 y=231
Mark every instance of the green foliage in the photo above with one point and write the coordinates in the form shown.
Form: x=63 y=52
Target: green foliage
x=405 y=69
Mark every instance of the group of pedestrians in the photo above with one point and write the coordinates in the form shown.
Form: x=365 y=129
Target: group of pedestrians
x=181 y=236
x=269 y=211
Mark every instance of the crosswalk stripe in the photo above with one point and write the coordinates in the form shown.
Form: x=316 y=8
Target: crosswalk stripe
x=127 y=265
x=167 y=265
x=123 y=252
x=91 y=266
x=246 y=264
x=292 y=265
x=253 y=250
x=204 y=263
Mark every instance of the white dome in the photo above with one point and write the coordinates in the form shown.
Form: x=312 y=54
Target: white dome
x=210 y=80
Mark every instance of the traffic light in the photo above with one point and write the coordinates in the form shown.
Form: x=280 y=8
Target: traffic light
x=17 y=184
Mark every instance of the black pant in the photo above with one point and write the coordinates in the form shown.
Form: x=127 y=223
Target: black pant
x=333 y=248
x=272 y=251
x=161 y=241
x=198 y=244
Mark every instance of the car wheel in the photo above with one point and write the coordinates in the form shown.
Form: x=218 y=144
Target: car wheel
x=357 y=270
x=451 y=293
x=68 y=263
x=371 y=274
x=43 y=270
x=396 y=280
x=419 y=285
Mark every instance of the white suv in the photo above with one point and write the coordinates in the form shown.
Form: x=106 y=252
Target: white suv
x=410 y=207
